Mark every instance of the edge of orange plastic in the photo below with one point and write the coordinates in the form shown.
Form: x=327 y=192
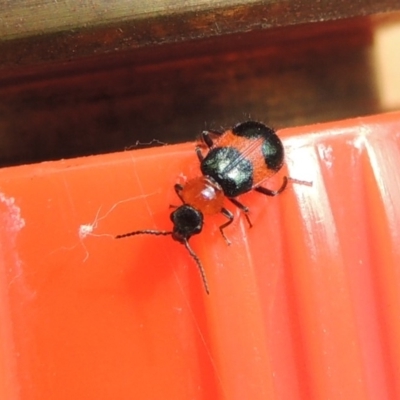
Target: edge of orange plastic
x=303 y=305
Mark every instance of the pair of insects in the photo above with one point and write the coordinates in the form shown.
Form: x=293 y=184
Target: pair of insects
x=237 y=160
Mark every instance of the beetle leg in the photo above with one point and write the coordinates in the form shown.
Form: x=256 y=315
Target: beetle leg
x=226 y=213
x=206 y=137
x=199 y=153
x=178 y=189
x=243 y=208
x=270 y=192
x=207 y=140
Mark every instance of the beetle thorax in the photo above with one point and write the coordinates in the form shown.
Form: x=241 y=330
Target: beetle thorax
x=203 y=194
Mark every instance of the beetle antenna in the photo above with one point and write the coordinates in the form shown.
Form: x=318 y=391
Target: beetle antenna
x=199 y=265
x=144 y=232
x=186 y=244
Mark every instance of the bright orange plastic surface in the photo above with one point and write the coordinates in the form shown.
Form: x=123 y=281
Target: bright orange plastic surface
x=304 y=305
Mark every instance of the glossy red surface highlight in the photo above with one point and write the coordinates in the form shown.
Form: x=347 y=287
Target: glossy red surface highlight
x=304 y=305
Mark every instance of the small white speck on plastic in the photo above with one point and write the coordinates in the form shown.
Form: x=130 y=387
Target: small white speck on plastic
x=13 y=222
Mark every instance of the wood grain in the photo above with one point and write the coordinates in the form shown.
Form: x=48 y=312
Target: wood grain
x=68 y=91
x=42 y=31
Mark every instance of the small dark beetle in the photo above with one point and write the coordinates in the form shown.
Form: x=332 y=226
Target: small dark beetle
x=236 y=161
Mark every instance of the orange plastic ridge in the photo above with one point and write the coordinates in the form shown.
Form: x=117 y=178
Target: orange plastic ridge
x=304 y=305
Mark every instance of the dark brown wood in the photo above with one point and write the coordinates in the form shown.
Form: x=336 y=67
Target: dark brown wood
x=35 y=32
x=283 y=77
x=101 y=88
